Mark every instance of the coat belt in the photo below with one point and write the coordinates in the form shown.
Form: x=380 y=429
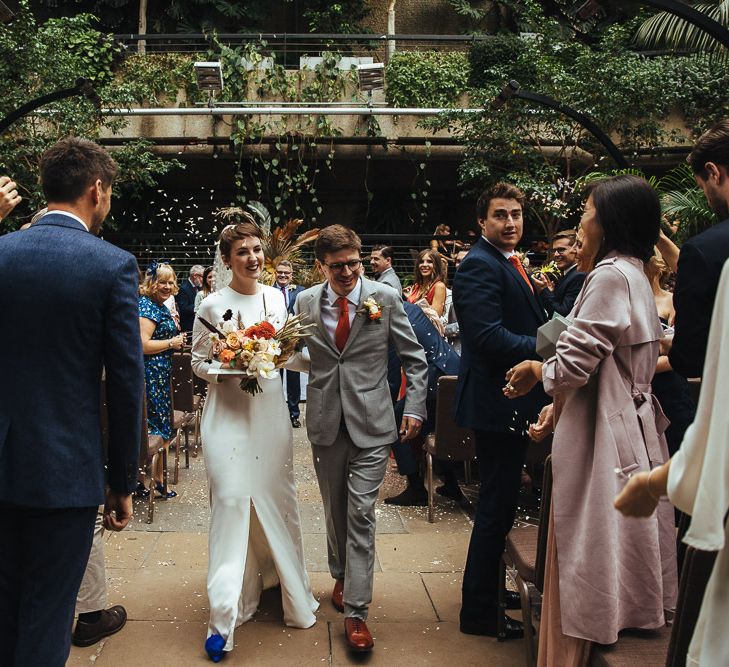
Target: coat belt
x=653 y=421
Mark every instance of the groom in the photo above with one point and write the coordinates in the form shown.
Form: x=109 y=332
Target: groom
x=349 y=415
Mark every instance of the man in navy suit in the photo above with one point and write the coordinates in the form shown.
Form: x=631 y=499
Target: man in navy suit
x=442 y=360
x=560 y=297
x=72 y=311
x=499 y=314
x=284 y=275
x=185 y=297
x=702 y=257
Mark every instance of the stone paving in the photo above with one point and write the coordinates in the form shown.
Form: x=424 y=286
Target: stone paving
x=158 y=573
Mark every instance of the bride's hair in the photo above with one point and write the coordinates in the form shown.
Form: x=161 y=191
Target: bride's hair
x=246 y=227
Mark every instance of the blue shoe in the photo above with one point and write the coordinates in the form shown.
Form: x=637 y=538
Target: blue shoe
x=214 y=647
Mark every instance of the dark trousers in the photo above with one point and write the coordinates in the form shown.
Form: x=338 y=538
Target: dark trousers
x=500 y=458
x=293 y=393
x=42 y=561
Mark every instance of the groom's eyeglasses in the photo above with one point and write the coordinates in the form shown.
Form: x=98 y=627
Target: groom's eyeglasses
x=338 y=267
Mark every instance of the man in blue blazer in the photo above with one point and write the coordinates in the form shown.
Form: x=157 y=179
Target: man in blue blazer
x=442 y=360
x=72 y=311
x=284 y=276
x=560 y=297
x=702 y=257
x=185 y=297
x=499 y=314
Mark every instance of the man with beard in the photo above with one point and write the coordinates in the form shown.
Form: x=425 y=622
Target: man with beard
x=702 y=257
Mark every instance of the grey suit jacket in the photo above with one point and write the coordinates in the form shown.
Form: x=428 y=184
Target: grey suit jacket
x=389 y=277
x=352 y=386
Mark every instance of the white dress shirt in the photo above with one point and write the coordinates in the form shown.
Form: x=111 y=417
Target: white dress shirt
x=505 y=253
x=70 y=215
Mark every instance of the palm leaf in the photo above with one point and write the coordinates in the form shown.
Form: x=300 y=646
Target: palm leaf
x=665 y=30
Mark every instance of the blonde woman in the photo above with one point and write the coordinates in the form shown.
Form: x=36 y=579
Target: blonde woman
x=160 y=335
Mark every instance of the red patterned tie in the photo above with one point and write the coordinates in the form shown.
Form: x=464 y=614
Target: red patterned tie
x=514 y=260
x=283 y=291
x=341 y=334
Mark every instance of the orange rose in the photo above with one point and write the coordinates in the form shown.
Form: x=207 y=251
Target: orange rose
x=375 y=314
x=226 y=356
x=232 y=340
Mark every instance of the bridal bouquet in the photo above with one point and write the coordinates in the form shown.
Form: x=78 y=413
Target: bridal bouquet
x=258 y=350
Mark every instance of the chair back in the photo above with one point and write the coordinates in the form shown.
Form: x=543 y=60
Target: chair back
x=183 y=390
x=144 y=455
x=544 y=517
x=452 y=442
x=697 y=567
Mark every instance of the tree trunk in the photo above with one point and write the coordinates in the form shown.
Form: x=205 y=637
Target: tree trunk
x=142 y=44
x=391 y=29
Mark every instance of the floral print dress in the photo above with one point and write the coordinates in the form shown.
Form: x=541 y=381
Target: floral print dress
x=158 y=369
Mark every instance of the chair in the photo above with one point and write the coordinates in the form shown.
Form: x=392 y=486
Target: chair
x=186 y=406
x=150 y=449
x=449 y=441
x=526 y=552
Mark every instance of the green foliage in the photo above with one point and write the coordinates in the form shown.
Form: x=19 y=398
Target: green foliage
x=36 y=60
x=500 y=58
x=157 y=78
x=426 y=78
x=344 y=16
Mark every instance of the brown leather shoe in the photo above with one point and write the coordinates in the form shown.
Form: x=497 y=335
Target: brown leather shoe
x=338 y=595
x=112 y=620
x=357 y=635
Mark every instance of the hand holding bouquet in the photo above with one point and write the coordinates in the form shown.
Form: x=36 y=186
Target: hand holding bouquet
x=258 y=350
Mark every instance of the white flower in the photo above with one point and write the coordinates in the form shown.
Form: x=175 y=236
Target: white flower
x=274 y=348
x=267 y=369
x=228 y=327
x=261 y=345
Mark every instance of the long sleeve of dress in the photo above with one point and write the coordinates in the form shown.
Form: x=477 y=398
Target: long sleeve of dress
x=201 y=364
x=601 y=319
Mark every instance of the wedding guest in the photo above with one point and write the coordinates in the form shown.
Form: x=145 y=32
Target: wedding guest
x=428 y=286
x=53 y=468
x=499 y=314
x=381 y=263
x=185 y=297
x=702 y=257
x=208 y=286
x=160 y=336
x=604 y=575
x=447 y=249
x=560 y=296
x=670 y=388
x=95 y=621
x=451 y=328
x=696 y=480
x=442 y=360
x=284 y=277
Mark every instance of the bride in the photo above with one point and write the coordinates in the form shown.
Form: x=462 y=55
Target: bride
x=255 y=534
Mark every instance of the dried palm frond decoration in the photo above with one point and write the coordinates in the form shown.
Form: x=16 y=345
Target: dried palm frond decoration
x=281 y=243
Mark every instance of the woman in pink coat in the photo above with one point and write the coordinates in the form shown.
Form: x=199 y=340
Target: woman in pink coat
x=605 y=572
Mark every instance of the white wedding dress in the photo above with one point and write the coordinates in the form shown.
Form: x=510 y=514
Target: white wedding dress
x=255 y=532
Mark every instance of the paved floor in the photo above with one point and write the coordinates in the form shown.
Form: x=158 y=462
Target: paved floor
x=158 y=573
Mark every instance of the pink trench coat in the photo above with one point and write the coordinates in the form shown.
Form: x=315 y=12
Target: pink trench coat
x=615 y=572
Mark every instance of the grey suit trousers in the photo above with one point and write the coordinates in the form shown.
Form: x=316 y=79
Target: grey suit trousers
x=92 y=594
x=349 y=480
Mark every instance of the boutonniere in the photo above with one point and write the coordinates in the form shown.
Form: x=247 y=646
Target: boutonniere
x=372 y=309
x=292 y=287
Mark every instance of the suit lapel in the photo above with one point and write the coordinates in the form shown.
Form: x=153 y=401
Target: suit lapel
x=531 y=297
x=359 y=318
x=315 y=314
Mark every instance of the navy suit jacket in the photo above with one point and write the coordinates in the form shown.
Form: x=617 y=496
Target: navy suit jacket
x=71 y=309
x=293 y=292
x=498 y=316
x=441 y=357
x=699 y=267
x=565 y=293
x=185 y=299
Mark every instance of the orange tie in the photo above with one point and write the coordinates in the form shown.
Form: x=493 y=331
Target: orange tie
x=341 y=333
x=514 y=260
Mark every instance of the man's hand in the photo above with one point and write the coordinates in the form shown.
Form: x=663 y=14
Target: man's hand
x=9 y=197
x=635 y=499
x=522 y=378
x=118 y=510
x=542 y=282
x=409 y=428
